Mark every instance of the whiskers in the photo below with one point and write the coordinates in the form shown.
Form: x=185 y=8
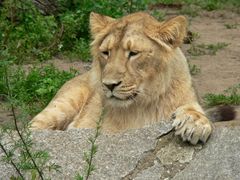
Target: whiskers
x=143 y=94
x=145 y=97
x=133 y=96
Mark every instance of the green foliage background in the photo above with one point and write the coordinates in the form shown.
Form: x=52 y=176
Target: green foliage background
x=29 y=35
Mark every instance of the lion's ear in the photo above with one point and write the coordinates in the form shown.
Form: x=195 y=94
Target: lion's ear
x=169 y=34
x=98 y=22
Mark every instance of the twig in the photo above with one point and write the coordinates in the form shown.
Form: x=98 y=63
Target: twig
x=56 y=39
x=93 y=146
x=11 y=161
x=17 y=129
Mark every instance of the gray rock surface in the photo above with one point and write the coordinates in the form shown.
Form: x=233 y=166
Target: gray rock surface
x=218 y=160
x=150 y=153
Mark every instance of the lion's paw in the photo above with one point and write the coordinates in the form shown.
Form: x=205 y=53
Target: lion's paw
x=38 y=124
x=191 y=125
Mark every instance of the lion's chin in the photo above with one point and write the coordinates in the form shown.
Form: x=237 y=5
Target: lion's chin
x=114 y=101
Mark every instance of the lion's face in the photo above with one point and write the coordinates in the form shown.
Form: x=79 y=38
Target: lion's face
x=133 y=54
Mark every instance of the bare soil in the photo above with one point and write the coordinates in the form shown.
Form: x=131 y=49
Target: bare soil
x=217 y=72
x=220 y=71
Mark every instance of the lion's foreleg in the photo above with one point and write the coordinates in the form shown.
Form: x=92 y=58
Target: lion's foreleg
x=62 y=109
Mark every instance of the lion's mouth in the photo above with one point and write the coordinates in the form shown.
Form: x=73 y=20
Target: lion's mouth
x=131 y=97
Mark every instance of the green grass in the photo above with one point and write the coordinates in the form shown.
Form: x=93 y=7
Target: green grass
x=231 y=96
x=232 y=26
x=206 y=49
x=191 y=37
x=194 y=69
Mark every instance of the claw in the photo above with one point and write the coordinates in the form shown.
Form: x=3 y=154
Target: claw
x=191 y=129
x=176 y=123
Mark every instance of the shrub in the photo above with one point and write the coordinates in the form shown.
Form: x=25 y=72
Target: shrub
x=30 y=35
x=35 y=89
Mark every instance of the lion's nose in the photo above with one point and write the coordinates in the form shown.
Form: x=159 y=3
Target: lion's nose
x=112 y=85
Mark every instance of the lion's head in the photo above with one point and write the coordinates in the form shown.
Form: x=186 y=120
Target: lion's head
x=133 y=55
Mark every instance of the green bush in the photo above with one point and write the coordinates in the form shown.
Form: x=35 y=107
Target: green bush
x=36 y=87
x=25 y=33
x=75 y=19
x=30 y=35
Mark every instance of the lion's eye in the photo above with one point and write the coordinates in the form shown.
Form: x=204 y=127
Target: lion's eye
x=105 y=53
x=132 y=54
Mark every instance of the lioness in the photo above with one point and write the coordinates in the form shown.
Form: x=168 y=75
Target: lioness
x=139 y=76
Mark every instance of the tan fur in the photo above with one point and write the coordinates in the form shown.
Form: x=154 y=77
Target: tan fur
x=141 y=58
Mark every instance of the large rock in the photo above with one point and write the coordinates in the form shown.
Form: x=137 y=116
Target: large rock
x=148 y=153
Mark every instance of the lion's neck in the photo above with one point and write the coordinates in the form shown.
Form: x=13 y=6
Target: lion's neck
x=118 y=119
x=137 y=116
